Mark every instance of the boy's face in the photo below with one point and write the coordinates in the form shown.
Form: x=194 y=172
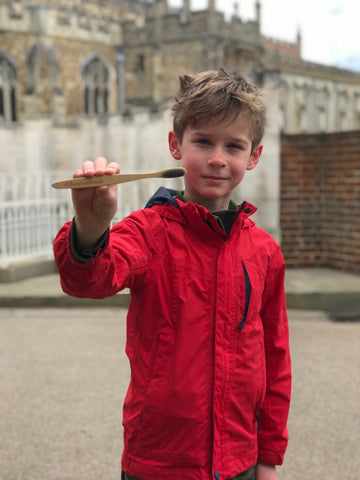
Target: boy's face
x=216 y=156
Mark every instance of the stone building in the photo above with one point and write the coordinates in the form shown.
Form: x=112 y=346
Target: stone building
x=311 y=97
x=72 y=57
x=58 y=58
x=82 y=78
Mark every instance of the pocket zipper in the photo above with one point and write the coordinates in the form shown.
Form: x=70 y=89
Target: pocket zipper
x=247 y=296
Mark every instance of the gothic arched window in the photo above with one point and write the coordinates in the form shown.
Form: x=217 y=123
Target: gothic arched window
x=357 y=110
x=302 y=98
x=343 y=108
x=7 y=88
x=283 y=106
x=43 y=85
x=96 y=79
x=323 y=97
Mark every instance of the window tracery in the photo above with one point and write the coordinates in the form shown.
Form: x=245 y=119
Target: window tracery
x=96 y=87
x=7 y=89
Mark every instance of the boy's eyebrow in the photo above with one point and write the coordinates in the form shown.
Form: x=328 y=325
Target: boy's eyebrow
x=204 y=133
x=240 y=140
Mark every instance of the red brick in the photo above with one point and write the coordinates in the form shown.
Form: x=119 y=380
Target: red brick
x=320 y=200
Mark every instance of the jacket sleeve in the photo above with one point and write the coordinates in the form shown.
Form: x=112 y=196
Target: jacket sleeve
x=119 y=264
x=273 y=434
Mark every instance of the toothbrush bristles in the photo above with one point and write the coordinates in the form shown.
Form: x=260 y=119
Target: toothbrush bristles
x=174 y=172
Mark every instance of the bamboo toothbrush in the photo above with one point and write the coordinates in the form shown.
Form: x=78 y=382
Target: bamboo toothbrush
x=99 y=180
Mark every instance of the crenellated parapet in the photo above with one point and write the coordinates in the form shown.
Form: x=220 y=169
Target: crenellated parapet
x=170 y=40
x=177 y=24
x=73 y=19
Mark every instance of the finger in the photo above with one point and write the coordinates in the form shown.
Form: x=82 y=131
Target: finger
x=88 y=168
x=100 y=166
x=78 y=173
x=112 y=168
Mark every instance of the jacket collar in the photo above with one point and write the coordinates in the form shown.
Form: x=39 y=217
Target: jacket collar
x=187 y=212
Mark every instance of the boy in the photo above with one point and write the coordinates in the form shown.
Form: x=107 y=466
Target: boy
x=207 y=331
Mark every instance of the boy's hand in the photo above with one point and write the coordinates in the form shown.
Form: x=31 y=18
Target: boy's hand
x=94 y=207
x=266 y=472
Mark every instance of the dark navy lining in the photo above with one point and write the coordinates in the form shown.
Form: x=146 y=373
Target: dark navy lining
x=247 y=296
x=163 y=196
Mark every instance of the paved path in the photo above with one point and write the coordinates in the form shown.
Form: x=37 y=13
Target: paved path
x=312 y=288
x=63 y=377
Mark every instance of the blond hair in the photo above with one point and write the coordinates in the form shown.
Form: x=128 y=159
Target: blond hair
x=221 y=95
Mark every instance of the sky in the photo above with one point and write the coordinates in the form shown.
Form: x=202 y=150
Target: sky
x=330 y=29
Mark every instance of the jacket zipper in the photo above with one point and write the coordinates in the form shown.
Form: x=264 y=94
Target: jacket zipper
x=258 y=418
x=213 y=373
x=247 y=296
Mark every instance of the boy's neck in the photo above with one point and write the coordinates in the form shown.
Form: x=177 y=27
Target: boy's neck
x=213 y=205
x=231 y=205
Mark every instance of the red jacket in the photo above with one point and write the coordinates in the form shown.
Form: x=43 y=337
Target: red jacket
x=207 y=339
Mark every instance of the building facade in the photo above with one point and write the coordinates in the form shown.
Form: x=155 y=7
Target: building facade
x=97 y=57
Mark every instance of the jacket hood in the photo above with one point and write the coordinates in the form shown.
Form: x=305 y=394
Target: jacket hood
x=185 y=211
x=163 y=196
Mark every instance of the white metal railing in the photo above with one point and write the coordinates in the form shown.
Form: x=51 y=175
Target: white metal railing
x=32 y=212
x=30 y=216
x=27 y=229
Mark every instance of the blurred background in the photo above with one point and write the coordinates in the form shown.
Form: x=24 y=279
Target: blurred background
x=82 y=79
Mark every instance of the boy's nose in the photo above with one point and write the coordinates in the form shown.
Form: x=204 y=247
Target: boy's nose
x=217 y=159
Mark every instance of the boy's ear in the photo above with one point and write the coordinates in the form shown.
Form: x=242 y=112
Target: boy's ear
x=174 y=146
x=255 y=157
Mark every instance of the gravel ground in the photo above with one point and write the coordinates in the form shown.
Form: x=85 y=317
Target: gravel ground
x=64 y=374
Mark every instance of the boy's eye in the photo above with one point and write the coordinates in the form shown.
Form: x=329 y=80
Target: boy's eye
x=203 y=141
x=235 y=146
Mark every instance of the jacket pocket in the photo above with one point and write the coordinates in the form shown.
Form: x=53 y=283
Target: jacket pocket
x=258 y=416
x=156 y=380
x=247 y=296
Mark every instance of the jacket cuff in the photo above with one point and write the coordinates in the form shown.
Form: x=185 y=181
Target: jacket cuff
x=89 y=253
x=270 y=457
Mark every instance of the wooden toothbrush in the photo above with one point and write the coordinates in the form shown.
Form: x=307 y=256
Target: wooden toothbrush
x=100 y=180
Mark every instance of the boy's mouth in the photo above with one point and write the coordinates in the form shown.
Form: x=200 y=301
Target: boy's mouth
x=213 y=178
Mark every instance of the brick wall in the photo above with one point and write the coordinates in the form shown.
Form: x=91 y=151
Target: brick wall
x=320 y=200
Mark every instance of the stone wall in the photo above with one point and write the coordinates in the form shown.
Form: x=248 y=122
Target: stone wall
x=320 y=200
x=138 y=143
